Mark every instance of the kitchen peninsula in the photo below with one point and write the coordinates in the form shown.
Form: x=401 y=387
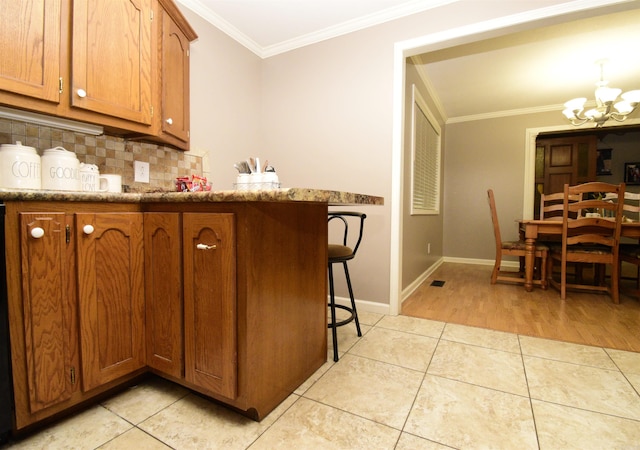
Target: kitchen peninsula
x=223 y=292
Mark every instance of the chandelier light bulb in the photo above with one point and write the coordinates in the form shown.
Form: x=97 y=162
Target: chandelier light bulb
x=576 y=105
x=606 y=105
x=623 y=107
x=607 y=95
x=632 y=97
x=592 y=114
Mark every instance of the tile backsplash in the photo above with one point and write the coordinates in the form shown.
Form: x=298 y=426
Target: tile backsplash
x=111 y=154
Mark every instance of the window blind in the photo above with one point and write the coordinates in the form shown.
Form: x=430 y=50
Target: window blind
x=425 y=187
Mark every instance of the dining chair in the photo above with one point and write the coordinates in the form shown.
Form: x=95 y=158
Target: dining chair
x=513 y=248
x=340 y=254
x=551 y=205
x=630 y=251
x=592 y=237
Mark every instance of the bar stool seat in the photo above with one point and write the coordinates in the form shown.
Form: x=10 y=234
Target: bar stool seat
x=340 y=254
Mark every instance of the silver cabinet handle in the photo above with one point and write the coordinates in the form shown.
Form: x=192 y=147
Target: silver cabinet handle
x=88 y=229
x=169 y=121
x=37 y=232
x=206 y=247
x=81 y=93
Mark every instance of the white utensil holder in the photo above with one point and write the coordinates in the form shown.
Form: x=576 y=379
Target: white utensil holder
x=256 y=181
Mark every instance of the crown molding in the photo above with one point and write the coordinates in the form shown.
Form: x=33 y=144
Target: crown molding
x=343 y=28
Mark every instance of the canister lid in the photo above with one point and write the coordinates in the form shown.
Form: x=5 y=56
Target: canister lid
x=18 y=147
x=59 y=151
x=85 y=167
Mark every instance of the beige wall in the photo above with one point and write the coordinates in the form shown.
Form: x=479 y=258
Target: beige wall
x=225 y=101
x=327 y=116
x=419 y=230
x=323 y=116
x=328 y=123
x=487 y=154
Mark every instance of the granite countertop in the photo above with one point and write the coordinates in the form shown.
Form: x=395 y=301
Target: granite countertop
x=270 y=195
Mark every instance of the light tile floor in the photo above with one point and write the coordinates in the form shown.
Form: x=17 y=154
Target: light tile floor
x=408 y=383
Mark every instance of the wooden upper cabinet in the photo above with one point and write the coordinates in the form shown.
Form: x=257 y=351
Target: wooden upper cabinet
x=30 y=43
x=122 y=64
x=175 y=80
x=111 y=62
x=174 y=35
x=110 y=295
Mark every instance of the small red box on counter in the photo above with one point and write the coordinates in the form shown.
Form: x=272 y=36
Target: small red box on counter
x=194 y=183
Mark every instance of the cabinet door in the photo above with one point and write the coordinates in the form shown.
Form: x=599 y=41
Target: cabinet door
x=175 y=80
x=163 y=292
x=210 y=301
x=48 y=298
x=111 y=62
x=30 y=48
x=110 y=295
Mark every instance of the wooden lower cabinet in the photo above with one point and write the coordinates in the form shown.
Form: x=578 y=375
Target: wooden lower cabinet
x=76 y=305
x=49 y=308
x=191 y=330
x=163 y=293
x=110 y=257
x=225 y=298
x=254 y=295
x=209 y=249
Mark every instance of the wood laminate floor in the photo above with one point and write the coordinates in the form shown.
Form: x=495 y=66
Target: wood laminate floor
x=468 y=298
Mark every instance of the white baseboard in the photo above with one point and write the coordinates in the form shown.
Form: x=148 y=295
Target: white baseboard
x=364 y=305
x=482 y=262
x=406 y=292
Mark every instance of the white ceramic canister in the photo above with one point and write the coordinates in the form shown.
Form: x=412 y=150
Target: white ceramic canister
x=90 y=178
x=60 y=170
x=19 y=167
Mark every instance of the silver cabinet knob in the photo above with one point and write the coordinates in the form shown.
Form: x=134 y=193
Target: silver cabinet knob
x=205 y=247
x=81 y=93
x=37 y=232
x=169 y=121
x=88 y=229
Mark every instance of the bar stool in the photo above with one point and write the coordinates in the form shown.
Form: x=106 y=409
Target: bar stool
x=341 y=253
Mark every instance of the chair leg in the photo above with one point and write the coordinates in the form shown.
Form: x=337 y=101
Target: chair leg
x=496 y=269
x=353 y=301
x=543 y=271
x=599 y=274
x=615 y=279
x=563 y=281
x=332 y=305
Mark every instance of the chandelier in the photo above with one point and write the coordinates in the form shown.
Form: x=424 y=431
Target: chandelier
x=606 y=105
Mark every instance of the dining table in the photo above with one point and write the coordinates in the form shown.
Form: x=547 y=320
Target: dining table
x=532 y=228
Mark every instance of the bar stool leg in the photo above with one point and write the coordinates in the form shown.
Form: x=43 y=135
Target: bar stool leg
x=353 y=301
x=332 y=325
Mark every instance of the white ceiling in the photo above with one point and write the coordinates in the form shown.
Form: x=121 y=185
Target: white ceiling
x=536 y=70
x=269 y=27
